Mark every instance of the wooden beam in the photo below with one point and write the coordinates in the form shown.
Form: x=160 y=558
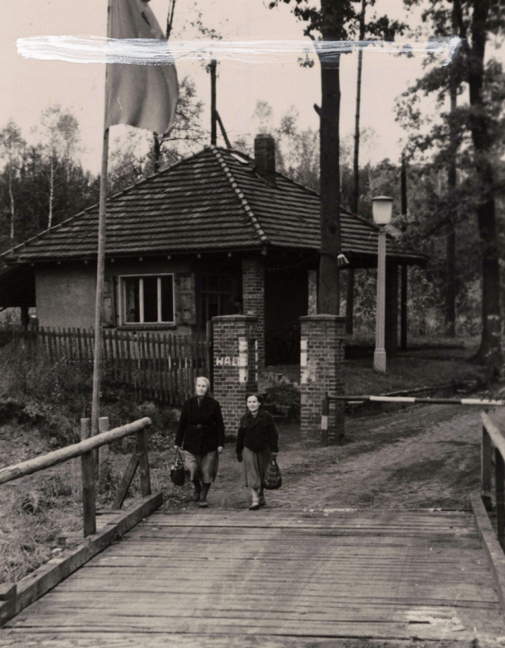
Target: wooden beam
x=494 y=432
x=486 y=456
x=36 y=584
x=126 y=481
x=70 y=452
x=492 y=548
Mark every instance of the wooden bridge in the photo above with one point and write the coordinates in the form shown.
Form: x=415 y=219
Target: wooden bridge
x=229 y=579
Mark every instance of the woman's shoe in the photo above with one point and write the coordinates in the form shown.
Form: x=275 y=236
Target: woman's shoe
x=254 y=506
x=203 y=504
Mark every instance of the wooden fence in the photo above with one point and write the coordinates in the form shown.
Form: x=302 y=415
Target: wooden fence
x=156 y=364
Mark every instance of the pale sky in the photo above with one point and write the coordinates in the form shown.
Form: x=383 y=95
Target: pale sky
x=29 y=85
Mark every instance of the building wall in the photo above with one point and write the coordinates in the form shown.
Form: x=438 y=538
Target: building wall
x=65 y=295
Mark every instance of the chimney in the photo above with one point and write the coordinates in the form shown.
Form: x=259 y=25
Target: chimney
x=264 y=157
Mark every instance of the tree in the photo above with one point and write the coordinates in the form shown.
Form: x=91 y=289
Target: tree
x=60 y=133
x=12 y=146
x=332 y=21
x=476 y=128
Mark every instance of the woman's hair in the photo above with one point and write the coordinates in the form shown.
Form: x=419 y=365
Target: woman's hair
x=206 y=380
x=258 y=396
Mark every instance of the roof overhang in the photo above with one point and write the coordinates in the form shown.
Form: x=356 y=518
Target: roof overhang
x=17 y=287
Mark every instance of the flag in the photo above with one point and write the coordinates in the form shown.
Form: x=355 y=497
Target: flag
x=144 y=96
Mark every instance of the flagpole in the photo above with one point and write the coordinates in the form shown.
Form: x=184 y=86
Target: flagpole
x=100 y=266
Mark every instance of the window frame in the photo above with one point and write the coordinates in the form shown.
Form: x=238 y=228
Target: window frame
x=141 y=276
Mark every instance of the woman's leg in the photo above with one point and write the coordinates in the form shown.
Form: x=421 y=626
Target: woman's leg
x=198 y=487
x=255 y=500
x=203 y=495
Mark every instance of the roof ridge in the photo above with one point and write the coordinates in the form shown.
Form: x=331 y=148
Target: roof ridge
x=243 y=200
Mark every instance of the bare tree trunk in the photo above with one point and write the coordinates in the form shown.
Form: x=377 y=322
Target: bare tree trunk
x=156 y=152
x=490 y=348
x=51 y=195
x=12 y=205
x=355 y=193
x=329 y=293
x=450 y=278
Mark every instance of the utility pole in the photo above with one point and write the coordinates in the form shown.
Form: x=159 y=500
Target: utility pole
x=213 y=118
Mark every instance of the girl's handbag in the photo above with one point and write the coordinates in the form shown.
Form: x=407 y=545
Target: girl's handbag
x=177 y=473
x=273 y=477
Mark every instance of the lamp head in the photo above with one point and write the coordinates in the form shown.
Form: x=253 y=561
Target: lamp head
x=382 y=210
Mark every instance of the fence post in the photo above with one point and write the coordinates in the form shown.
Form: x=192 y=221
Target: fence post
x=88 y=483
x=145 y=478
x=486 y=456
x=500 y=496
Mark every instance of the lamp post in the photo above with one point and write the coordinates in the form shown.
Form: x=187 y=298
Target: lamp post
x=382 y=207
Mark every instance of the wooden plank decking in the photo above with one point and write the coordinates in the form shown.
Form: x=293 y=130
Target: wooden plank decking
x=214 y=579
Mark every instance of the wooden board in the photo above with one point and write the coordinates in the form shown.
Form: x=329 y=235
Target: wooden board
x=221 y=579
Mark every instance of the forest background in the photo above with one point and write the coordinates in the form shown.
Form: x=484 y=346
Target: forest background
x=44 y=178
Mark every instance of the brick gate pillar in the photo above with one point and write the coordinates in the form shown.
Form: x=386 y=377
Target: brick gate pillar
x=235 y=351
x=253 y=298
x=321 y=371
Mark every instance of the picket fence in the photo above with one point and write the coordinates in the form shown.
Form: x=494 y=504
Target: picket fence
x=162 y=366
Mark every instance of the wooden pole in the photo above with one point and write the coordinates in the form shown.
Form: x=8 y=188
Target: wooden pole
x=100 y=266
x=213 y=119
x=88 y=484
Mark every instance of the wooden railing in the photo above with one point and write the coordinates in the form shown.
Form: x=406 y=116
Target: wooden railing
x=493 y=437
x=159 y=365
x=87 y=450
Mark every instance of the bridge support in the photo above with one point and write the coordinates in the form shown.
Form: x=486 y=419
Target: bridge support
x=235 y=347
x=321 y=371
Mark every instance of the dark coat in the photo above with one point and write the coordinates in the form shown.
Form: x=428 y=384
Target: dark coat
x=257 y=433
x=201 y=429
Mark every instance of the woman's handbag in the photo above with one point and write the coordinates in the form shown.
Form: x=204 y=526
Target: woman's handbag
x=177 y=472
x=273 y=477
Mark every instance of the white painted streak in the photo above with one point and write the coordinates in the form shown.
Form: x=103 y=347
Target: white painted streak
x=148 y=51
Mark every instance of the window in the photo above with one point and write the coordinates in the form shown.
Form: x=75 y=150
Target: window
x=148 y=300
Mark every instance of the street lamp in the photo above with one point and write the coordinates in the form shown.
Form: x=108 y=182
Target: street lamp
x=382 y=207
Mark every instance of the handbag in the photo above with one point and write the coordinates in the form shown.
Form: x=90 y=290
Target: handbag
x=177 y=472
x=273 y=477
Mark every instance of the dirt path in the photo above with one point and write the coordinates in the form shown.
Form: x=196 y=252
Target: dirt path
x=423 y=457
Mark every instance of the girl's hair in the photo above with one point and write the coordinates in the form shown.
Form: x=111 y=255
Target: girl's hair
x=258 y=396
x=206 y=380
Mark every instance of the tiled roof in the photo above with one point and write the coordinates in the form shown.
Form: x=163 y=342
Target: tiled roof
x=211 y=201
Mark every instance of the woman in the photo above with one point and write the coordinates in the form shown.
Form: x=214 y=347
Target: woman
x=257 y=445
x=201 y=436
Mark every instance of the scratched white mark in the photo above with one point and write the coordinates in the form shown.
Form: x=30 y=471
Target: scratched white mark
x=148 y=51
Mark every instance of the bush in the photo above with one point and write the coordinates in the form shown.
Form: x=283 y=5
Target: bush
x=285 y=394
